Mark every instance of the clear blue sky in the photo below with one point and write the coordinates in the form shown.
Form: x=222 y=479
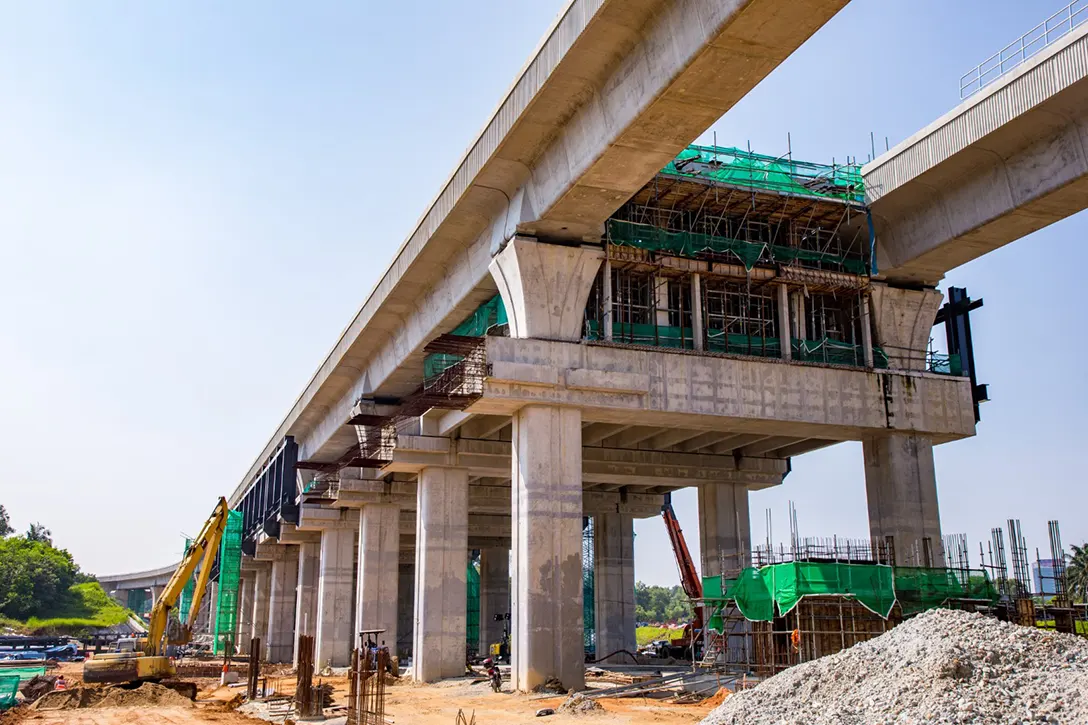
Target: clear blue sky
x=196 y=197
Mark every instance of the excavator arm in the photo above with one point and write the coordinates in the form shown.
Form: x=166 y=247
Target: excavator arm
x=203 y=549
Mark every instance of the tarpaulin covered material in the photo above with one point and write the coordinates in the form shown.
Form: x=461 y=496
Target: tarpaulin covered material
x=762 y=594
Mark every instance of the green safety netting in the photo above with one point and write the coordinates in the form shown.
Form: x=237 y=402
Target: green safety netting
x=762 y=594
x=472 y=629
x=487 y=316
x=920 y=589
x=9 y=685
x=690 y=244
x=23 y=674
x=738 y=167
x=185 y=601
x=137 y=600
x=230 y=571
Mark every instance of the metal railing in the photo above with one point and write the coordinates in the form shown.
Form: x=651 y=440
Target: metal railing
x=1027 y=45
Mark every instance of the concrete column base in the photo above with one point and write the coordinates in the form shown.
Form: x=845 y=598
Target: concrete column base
x=547 y=626
x=901 y=486
x=379 y=554
x=309 y=557
x=614 y=586
x=333 y=636
x=438 y=642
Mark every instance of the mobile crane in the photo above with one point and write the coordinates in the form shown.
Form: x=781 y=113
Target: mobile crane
x=689 y=580
x=150 y=663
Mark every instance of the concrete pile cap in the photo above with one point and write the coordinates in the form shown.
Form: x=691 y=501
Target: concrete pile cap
x=943 y=666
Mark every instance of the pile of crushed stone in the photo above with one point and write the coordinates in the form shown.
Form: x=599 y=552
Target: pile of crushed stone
x=942 y=666
x=146 y=695
x=579 y=704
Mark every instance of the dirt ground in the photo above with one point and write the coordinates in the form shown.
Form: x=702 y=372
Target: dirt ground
x=406 y=704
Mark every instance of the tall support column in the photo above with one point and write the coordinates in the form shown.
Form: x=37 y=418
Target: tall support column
x=379 y=556
x=866 y=330
x=155 y=593
x=309 y=557
x=697 y=310
x=494 y=595
x=262 y=590
x=406 y=593
x=901 y=486
x=784 y=322
x=245 y=611
x=606 y=301
x=547 y=626
x=438 y=642
x=333 y=635
x=614 y=585
x=280 y=634
x=724 y=528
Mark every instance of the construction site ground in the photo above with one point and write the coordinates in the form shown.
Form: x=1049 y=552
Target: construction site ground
x=407 y=703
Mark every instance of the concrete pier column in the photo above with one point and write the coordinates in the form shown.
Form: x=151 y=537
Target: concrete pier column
x=545 y=287
x=784 y=324
x=333 y=636
x=901 y=486
x=438 y=639
x=614 y=585
x=262 y=590
x=245 y=611
x=494 y=595
x=379 y=556
x=697 y=311
x=606 y=301
x=155 y=593
x=725 y=535
x=280 y=634
x=546 y=584
x=309 y=557
x=406 y=594
x=903 y=321
x=866 y=330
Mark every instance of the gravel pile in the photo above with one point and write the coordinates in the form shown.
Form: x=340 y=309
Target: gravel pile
x=940 y=667
x=579 y=704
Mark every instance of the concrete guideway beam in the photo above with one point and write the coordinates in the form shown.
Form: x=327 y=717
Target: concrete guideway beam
x=1004 y=163
x=378 y=580
x=618 y=88
x=611 y=384
x=547 y=548
x=901 y=487
x=438 y=639
x=614 y=585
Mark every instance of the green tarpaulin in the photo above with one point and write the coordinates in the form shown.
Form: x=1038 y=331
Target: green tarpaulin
x=762 y=594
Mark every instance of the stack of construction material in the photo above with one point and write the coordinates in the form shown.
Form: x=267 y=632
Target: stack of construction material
x=940 y=667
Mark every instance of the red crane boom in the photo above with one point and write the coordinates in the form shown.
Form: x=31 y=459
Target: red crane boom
x=689 y=575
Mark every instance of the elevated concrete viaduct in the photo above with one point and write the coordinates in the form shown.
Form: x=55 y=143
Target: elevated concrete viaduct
x=647 y=336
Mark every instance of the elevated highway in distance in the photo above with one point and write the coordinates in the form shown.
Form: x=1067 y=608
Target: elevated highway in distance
x=1009 y=160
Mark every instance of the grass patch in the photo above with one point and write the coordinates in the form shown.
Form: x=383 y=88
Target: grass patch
x=87 y=606
x=1080 y=624
x=645 y=635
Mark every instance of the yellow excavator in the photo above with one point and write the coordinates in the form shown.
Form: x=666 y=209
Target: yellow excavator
x=150 y=663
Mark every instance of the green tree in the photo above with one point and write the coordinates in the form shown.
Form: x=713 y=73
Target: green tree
x=38 y=532
x=1076 y=573
x=661 y=604
x=34 y=577
x=5 y=522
